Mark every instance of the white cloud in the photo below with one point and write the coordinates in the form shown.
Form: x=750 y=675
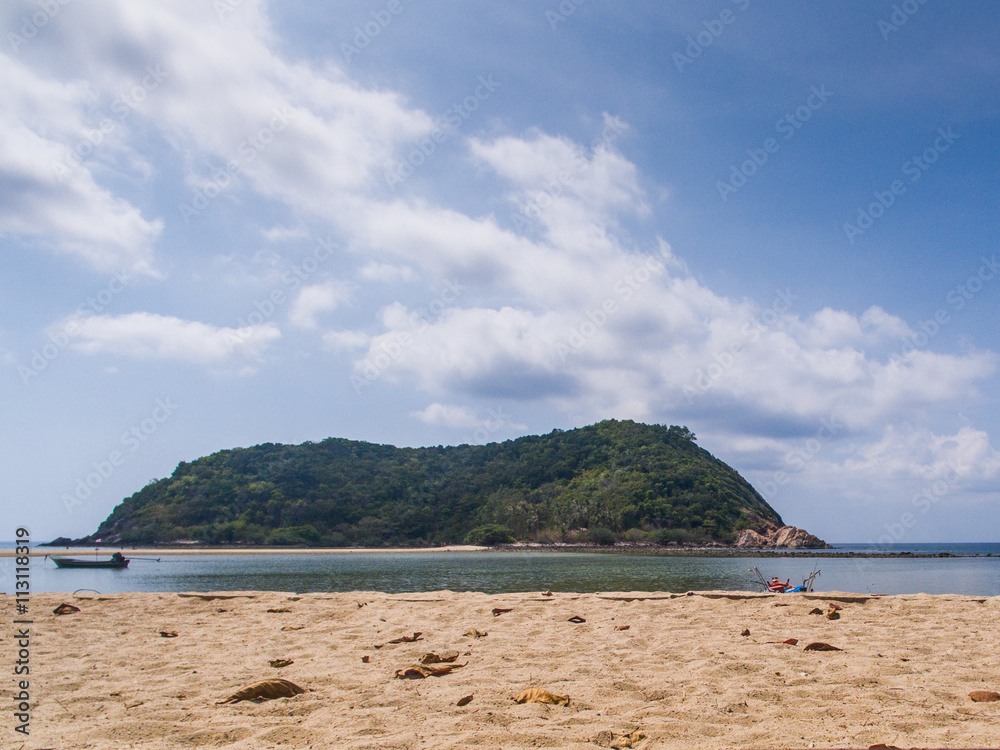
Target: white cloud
x=446 y=415
x=284 y=234
x=345 y=340
x=149 y=336
x=386 y=273
x=316 y=299
x=917 y=453
x=47 y=174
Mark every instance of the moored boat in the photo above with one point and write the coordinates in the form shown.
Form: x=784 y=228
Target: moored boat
x=117 y=561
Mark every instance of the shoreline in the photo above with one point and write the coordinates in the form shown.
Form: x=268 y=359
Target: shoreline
x=640 y=550
x=193 y=550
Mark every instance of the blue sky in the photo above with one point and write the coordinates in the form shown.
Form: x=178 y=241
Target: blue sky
x=425 y=223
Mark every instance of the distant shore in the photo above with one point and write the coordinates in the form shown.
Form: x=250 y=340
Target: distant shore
x=195 y=549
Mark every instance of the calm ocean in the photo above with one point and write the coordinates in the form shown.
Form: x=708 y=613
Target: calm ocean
x=499 y=572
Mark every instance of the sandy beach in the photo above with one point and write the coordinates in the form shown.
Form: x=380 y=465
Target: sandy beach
x=646 y=670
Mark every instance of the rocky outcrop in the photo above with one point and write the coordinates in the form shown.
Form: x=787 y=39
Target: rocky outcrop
x=784 y=537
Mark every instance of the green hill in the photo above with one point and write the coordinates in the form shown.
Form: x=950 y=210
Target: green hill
x=612 y=480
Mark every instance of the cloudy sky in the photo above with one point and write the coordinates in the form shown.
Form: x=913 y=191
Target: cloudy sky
x=229 y=222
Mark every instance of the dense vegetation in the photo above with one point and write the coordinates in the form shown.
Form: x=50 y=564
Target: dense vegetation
x=612 y=480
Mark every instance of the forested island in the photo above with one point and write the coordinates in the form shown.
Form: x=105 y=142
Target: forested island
x=608 y=482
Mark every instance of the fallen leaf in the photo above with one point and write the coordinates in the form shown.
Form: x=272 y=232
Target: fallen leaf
x=278 y=610
x=820 y=646
x=475 y=633
x=781 y=604
x=168 y=633
x=464 y=701
x=362 y=604
x=497 y=611
x=815 y=611
x=834 y=606
x=420 y=671
x=65 y=609
x=537 y=695
x=293 y=627
x=265 y=690
x=366 y=659
x=407 y=638
x=622 y=627
x=546 y=593
x=279 y=663
x=445 y=658
x=984 y=696
x=882 y=746
x=576 y=618
x=746 y=632
x=833 y=615
x=786 y=642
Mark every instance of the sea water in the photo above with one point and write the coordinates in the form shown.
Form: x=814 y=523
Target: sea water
x=500 y=572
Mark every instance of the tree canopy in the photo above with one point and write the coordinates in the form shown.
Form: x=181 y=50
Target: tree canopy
x=611 y=480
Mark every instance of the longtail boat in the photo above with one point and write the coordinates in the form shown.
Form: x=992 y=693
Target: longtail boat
x=117 y=561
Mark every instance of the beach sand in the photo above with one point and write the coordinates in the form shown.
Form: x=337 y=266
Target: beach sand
x=681 y=674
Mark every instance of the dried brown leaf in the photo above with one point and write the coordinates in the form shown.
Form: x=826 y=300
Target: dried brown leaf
x=446 y=658
x=407 y=638
x=820 y=646
x=265 y=690
x=537 y=695
x=419 y=671
x=465 y=701
x=984 y=696
x=279 y=663
x=576 y=619
x=475 y=633
x=497 y=611
x=65 y=609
